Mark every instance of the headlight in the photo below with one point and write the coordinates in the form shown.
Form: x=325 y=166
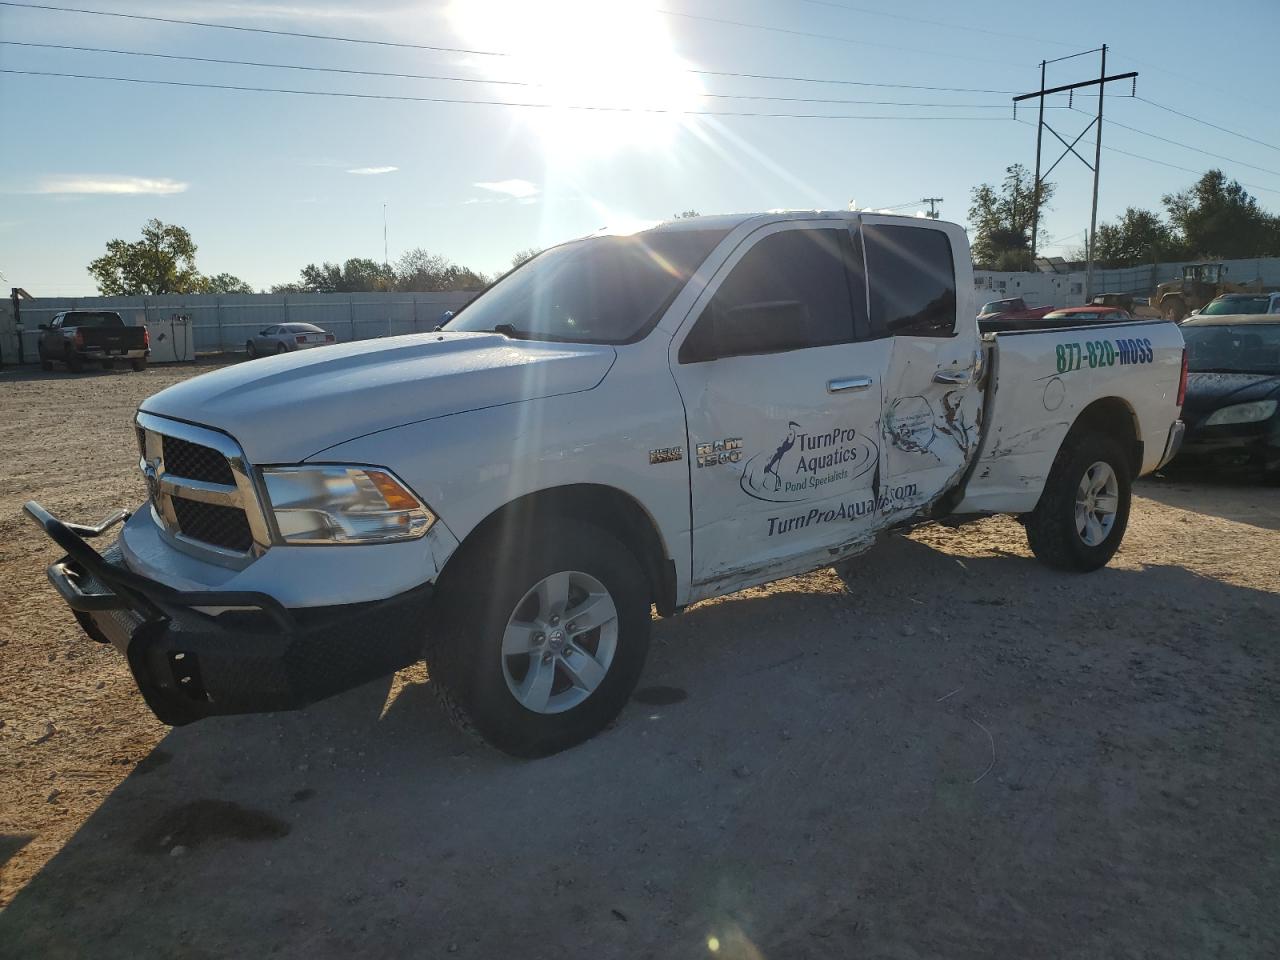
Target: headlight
x=1242 y=413
x=343 y=504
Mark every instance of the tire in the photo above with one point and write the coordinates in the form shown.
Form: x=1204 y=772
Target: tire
x=139 y=364
x=45 y=363
x=490 y=600
x=74 y=363
x=250 y=349
x=281 y=349
x=108 y=364
x=1174 y=309
x=1053 y=528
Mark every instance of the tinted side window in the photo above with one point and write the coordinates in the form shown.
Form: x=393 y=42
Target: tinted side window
x=798 y=275
x=913 y=281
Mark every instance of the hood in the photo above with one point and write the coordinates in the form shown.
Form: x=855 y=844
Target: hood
x=285 y=408
x=1207 y=392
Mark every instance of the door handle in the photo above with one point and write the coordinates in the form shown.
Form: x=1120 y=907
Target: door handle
x=958 y=377
x=850 y=384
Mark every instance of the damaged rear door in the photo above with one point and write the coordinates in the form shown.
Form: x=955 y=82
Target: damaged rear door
x=920 y=292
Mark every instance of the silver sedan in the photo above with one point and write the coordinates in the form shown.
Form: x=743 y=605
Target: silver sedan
x=285 y=337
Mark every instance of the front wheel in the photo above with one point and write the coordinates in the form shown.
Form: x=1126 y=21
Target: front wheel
x=1174 y=309
x=541 y=646
x=75 y=363
x=1084 y=509
x=45 y=363
x=250 y=349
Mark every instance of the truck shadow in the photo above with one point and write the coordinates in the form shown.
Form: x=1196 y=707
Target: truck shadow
x=840 y=748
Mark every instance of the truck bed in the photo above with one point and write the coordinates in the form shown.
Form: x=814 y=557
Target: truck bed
x=1040 y=380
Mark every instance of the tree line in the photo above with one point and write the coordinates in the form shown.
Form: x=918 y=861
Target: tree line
x=163 y=261
x=1213 y=219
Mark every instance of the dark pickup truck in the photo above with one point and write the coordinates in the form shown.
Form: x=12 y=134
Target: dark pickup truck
x=75 y=337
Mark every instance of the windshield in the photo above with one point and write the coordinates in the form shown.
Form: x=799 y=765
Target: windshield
x=92 y=320
x=1229 y=305
x=598 y=290
x=1246 y=348
x=996 y=306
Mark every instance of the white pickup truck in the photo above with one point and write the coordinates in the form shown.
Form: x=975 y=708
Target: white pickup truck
x=627 y=421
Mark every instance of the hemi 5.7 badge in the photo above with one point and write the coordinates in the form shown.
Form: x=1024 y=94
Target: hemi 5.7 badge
x=666 y=454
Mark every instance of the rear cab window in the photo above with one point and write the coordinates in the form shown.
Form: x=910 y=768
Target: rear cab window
x=93 y=319
x=912 y=280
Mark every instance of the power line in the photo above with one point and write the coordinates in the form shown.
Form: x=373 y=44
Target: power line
x=463 y=50
x=1163 y=163
x=1184 y=146
x=828 y=37
x=1242 y=136
x=456 y=79
x=242 y=29
x=934 y=23
x=492 y=103
x=488 y=53
x=851 y=83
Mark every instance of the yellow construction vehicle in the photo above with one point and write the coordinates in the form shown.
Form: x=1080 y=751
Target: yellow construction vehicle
x=1200 y=283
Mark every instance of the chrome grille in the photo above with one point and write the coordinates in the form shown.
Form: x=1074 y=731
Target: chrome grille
x=183 y=458
x=225 y=527
x=201 y=491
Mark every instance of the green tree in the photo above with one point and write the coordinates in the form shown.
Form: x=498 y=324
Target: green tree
x=1001 y=218
x=357 y=275
x=1217 y=217
x=223 y=283
x=163 y=261
x=1138 y=237
x=521 y=257
x=419 y=270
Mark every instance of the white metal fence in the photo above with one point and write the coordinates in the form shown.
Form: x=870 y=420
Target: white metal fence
x=1068 y=289
x=224 y=323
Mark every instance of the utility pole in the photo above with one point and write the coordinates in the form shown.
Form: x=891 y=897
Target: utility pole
x=933 y=209
x=385 y=264
x=1095 y=124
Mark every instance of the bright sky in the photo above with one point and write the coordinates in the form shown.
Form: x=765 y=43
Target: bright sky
x=267 y=182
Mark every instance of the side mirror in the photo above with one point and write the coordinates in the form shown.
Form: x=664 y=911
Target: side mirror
x=770 y=326
x=1196 y=310
x=262 y=333
x=44 y=326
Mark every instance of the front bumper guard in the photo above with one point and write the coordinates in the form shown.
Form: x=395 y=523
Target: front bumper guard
x=201 y=653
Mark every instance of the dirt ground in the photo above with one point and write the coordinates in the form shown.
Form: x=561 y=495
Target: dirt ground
x=947 y=751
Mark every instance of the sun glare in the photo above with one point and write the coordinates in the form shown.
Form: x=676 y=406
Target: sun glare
x=584 y=53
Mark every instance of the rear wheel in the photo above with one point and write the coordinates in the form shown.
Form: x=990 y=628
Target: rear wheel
x=250 y=349
x=75 y=363
x=1084 y=509
x=108 y=364
x=139 y=364
x=45 y=363
x=281 y=349
x=540 y=648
